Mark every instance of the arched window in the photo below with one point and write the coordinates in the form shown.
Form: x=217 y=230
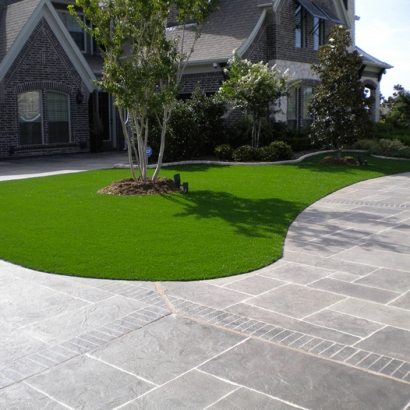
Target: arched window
x=30 y=118
x=58 y=117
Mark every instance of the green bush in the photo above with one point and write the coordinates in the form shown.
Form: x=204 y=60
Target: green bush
x=245 y=153
x=391 y=148
x=389 y=131
x=365 y=144
x=224 y=152
x=284 y=151
x=268 y=154
x=194 y=129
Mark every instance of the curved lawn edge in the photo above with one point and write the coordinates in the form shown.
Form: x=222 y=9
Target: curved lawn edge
x=248 y=221
x=228 y=163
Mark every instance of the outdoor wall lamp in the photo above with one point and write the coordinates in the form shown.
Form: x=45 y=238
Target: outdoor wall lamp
x=80 y=97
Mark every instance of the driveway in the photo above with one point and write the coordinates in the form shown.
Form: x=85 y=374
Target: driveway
x=326 y=327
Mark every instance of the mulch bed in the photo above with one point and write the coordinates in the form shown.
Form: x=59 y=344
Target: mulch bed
x=332 y=160
x=129 y=187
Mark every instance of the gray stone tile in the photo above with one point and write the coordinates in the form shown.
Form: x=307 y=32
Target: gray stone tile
x=167 y=348
x=254 y=285
x=392 y=367
x=297 y=344
x=376 y=257
x=332 y=350
x=193 y=390
x=369 y=361
x=305 y=380
x=326 y=263
x=25 y=302
x=394 y=280
x=402 y=371
x=298 y=273
x=203 y=293
x=22 y=397
x=16 y=344
x=358 y=357
x=379 y=364
x=4 y=381
x=354 y=290
x=248 y=399
x=346 y=277
x=344 y=323
x=390 y=342
x=301 y=326
x=345 y=353
x=26 y=367
x=89 y=384
x=294 y=300
x=376 y=312
x=402 y=302
x=66 y=285
x=71 y=324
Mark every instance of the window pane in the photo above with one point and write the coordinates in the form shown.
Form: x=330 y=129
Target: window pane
x=298 y=27
x=77 y=33
x=29 y=110
x=307 y=98
x=58 y=117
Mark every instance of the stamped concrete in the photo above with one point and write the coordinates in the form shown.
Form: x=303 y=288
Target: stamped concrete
x=325 y=327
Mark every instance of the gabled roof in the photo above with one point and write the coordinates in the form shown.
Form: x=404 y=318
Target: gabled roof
x=13 y=17
x=19 y=18
x=372 y=61
x=227 y=30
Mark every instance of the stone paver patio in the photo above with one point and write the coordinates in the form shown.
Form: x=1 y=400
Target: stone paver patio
x=326 y=327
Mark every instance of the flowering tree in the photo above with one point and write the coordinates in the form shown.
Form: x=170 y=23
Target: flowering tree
x=254 y=88
x=340 y=110
x=143 y=63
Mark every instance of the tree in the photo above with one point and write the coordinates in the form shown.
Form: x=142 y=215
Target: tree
x=254 y=88
x=398 y=108
x=339 y=108
x=143 y=63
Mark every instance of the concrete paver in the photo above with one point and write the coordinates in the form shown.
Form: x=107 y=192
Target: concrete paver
x=326 y=327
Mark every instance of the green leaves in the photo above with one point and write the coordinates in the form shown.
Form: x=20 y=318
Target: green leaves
x=340 y=110
x=253 y=87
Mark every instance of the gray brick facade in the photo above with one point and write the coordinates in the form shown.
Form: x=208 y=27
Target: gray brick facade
x=43 y=65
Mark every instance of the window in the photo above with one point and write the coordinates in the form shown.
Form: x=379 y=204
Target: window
x=292 y=109
x=319 y=32
x=58 y=117
x=307 y=98
x=77 y=33
x=300 y=27
x=30 y=118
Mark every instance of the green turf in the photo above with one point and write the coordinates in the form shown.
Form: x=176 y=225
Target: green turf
x=233 y=220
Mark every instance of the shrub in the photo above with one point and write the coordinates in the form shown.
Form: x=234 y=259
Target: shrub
x=245 y=153
x=391 y=148
x=268 y=154
x=284 y=151
x=194 y=129
x=365 y=144
x=224 y=152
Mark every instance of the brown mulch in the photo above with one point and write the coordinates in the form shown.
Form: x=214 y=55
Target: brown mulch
x=332 y=160
x=129 y=187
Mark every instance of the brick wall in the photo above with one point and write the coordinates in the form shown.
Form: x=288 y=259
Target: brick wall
x=283 y=32
x=43 y=65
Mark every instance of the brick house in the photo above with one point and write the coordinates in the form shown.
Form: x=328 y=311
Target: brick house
x=47 y=63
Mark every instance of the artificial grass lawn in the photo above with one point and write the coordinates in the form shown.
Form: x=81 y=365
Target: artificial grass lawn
x=233 y=220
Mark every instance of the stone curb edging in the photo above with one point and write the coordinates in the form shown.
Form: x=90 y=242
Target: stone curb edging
x=226 y=163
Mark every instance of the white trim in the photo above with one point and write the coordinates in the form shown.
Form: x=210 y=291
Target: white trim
x=46 y=10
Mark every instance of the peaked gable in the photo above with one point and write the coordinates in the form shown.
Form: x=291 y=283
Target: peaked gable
x=21 y=18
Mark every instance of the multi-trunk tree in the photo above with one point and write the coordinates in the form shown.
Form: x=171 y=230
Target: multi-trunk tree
x=339 y=108
x=143 y=62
